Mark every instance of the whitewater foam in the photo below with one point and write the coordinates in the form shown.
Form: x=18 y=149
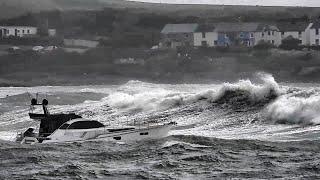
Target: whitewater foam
x=295 y=110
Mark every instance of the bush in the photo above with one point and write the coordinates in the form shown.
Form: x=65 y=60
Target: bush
x=290 y=43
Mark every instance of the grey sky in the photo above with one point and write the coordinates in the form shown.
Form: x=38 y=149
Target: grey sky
x=312 y=3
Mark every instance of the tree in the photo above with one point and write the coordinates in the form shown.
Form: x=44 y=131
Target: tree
x=290 y=43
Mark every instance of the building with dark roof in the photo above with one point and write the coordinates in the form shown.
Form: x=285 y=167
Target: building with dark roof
x=239 y=34
x=298 y=30
x=205 y=35
x=175 y=35
x=235 y=34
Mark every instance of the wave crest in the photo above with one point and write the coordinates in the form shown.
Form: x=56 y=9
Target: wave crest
x=241 y=93
x=295 y=110
x=245 y=92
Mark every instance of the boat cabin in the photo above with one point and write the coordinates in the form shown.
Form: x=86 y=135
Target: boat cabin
x=81 y=124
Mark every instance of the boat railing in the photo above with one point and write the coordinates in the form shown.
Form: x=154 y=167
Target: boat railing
x=148 y=124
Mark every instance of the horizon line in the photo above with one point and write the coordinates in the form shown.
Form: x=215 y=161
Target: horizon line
x=217 y=4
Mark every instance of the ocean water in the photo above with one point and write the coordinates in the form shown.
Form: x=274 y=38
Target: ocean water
x=252 y=129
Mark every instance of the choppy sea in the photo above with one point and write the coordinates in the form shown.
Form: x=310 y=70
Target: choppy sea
x=251 y=129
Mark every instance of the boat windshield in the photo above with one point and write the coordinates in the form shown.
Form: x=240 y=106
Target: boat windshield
x=85 y=125
x=64 y=126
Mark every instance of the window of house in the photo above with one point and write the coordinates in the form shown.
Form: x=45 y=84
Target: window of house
x=269 y=33
x=203 y=43
x=300 y=41
x=23 y=31
x=203 y=35
x=215 y=42
x=262 y=34
x=187 y=35
x=317 y=42
x=282 y=33
x=251 y=35
x=272 y=41
x=28 y=31
x=272 y=33
x=317 y=31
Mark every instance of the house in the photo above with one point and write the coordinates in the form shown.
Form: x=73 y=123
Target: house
x=267 y=33
x=298 y=30
x=205 y=35
x=235 y=34
x=175 y=35
x=17 y=31
x=313 y=35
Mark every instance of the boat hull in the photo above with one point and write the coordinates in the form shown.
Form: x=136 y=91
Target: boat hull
x=156 y=132
x=105 y=134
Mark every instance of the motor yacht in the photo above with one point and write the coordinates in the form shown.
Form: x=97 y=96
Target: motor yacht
x=59 y=128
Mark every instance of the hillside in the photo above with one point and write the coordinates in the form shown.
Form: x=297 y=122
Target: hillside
x=11 y=8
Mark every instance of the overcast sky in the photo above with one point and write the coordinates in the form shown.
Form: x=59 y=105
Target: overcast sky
x=312 y=3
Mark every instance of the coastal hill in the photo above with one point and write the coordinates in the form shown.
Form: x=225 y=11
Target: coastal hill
x=13 y=8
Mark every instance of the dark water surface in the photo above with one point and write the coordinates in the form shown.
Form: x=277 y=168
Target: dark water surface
x=176 y=157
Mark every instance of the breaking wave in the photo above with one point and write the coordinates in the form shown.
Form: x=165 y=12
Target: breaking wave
x=295 y=110
x=243 y=92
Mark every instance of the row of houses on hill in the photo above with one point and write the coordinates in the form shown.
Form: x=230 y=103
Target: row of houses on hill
x=22 y=31
x=237 y=34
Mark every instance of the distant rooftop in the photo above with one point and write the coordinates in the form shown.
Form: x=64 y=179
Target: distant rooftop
x=237 y=27
x=179 y=28
x=205 y=28
x=293 y=26
x=315 y=25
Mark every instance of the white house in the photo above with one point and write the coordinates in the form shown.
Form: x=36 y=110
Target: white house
x=205 y=35
x=298 y=30
x=17 y=31
x=313 y=35
x=267 y=33
x=235 y=34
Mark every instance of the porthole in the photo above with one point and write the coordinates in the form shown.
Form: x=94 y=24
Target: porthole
x=117 y=138
x=144 y=133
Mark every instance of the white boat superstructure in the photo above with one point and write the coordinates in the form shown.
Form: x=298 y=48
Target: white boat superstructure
x=58 y=128
x=82 y=130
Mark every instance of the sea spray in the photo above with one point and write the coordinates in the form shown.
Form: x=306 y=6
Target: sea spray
x=295 y=110
x=244 y=92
